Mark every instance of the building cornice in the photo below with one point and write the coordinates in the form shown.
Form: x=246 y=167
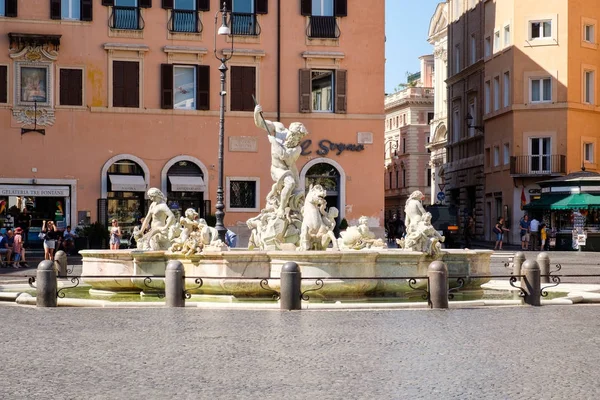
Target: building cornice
x=471 y=69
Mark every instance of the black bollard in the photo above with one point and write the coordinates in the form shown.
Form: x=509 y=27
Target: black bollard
x=543 y=260
x=291 y=277
x=46 y=285
x=518 y=260
x=174 y=284
x=531 y=283
x=60 y=260
x=438 y=284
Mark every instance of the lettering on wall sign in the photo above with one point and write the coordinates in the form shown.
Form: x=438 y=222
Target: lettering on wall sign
x=325 y=146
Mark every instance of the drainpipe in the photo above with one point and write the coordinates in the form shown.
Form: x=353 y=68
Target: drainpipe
x=278 y=60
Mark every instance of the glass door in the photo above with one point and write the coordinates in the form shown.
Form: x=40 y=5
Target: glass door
x=540 y=155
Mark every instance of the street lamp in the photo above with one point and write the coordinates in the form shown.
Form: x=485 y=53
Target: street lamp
x=393 y=149
x=223 y=58
x=469 y=120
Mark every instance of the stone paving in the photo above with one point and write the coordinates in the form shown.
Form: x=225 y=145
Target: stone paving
x=491 y=353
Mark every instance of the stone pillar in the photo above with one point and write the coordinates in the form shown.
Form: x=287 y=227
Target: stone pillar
x=46 y=285
x=543 y=260
x=518 y=260
x=174 y=284
x=531 y=283
x=438 y=284
x=60 y=262
x=291 y=277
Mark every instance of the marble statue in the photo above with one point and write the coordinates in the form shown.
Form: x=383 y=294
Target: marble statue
x=159 y=227
x=317 y=224
x=279 y=223
x=188 y=224
x=359 y=237
x=420 y=234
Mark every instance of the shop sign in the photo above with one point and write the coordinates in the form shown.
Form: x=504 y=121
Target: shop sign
x=34 y=191
x=325 y=146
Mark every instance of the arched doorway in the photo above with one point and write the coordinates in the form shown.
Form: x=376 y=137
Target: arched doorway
x=185 y=188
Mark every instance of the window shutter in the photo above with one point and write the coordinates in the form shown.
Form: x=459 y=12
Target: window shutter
x=202 y=87
x=340 y=91
x=305 y=90
x=10 y=8
x=76 y=87
x=261 y=6
x=341 y=8
x=3 y=84
x=64 y=87
x=236 y=89
x=145 y=3
x=86 y=10
x=131 y=77
x=166 y=86
x=108 y=3
x=248 y=88
x=54 y=9
x=167 y=4
x=306 y=7
x=203 y=5
x=118 y=84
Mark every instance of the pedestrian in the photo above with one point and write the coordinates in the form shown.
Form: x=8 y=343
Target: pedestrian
x=115 y=235
x=543 y=236
x=49 y=235
x=230 y=238
x=534 y=234
x=524 y=225
x=4 y=250
x=10 y=240
x=23 y=221
x=499 y=230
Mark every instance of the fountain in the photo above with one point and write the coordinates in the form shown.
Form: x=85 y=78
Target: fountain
x=292 y=227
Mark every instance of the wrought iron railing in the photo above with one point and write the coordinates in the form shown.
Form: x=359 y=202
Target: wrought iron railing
x=244 y=24
x=323 y=27
x=551 y=164
x=126 y=18
x=185 y=21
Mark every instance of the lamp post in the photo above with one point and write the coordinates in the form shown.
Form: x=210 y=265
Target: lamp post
x=393 y=149
x=469 y=120
x=223 y=58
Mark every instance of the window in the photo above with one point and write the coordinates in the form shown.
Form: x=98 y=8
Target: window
x=496 y=93
x=506 y=91
x=403 y=177
x=488 y=97
x=488 y=46
x=540 y=154
x=588 y=152
x=496 y=156
x=540 y=29
x=457 y=58
x=430 y=116
x=323 y=13
x=497 y=44
x=242 y=194
x=473 y=115
x=397 y=179
x=185 y=87
x=541 y=90
x=184 y=14
x=70 y=9
x=243 y=87
x=473 y=50
x=3 y=83
x=589 y=87
x=589 y=33
x=8 y=8
x=456 y=125
x=322 y=91
x=428 y=176
x=427 y=141
x=506 y=153
x=243 y=16
x=125 y=14
x=403 y=145
x=507 y=35
x=126 y=84
x=71 y=87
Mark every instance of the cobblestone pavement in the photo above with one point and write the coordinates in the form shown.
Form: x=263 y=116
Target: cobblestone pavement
x=491 y=353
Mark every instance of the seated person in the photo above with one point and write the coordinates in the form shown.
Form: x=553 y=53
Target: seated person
x=68 y=240
x=5 y=250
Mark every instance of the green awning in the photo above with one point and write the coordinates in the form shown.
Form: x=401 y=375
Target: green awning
x=564 y=202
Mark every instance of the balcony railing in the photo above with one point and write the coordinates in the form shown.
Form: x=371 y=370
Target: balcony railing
x=323 y=28
x=244 y=24
x=186 y=21
x=126 y=18
x=551 y=164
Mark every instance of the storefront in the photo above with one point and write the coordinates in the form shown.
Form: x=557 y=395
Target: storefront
x=570 y=207
x=186 y=188
x=42 y=201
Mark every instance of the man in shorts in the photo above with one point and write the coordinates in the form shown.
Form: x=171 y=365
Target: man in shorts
x=525 y=228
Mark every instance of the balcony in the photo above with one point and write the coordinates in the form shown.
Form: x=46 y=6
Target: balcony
x=185 y=21
x=538 y=165
x=244 y=24
x=323 y=28
x=126 y=18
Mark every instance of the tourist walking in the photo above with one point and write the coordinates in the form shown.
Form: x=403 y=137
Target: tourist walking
x=499 y=230
x=543 y=236
x=115 y=235
x=534 y=234
x=49 y=235
x=524 y=225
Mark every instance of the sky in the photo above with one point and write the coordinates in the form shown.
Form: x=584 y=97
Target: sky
x=406 y=30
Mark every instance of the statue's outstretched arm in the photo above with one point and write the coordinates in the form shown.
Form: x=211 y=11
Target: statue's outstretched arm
x=261 y=122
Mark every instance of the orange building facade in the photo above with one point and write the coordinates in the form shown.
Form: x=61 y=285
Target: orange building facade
x=101 y=100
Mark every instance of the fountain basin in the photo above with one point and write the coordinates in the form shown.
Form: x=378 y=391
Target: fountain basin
x=238 y=273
